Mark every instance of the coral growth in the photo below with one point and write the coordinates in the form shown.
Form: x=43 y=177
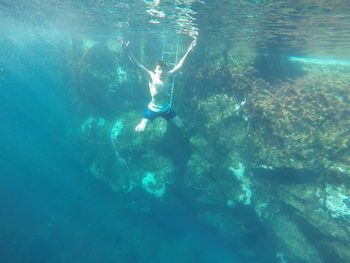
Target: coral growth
x=298 y=121
x=126 y=159
x=302 y=123
x=282 y=124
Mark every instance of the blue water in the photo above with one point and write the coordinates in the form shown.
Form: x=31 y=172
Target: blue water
x=51 y=207
x=52 y=210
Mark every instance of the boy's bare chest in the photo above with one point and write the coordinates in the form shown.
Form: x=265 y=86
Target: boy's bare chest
x=159 y=85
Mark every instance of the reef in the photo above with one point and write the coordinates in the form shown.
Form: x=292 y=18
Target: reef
x=268 y=136
x=101 y=76
x=278 y=145
x=306 y=119
x=125 y=159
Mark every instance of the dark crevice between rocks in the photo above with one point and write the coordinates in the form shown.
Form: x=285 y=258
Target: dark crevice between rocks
x=313 y=235
x=175 y=145
x=292 y=177
x=181 y=204
x=287 y=176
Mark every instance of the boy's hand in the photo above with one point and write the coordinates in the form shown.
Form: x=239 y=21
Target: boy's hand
x=193 y=44
x=123 y=43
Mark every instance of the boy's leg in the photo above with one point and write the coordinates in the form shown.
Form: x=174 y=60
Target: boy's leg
x=142 y=125
x=177 y=121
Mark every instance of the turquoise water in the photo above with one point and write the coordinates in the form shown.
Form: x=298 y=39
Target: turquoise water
x=321 y=61
x=51 y=208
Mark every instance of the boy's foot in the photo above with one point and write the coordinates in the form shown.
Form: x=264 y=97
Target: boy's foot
x=141 y=126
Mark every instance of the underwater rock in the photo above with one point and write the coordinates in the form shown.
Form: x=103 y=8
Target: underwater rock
x=217 y=109
x=202 y=146
x=126 y=159
x=153 y=185
x=245 y=183
x=338 y=201
x=129 y=139
x=92 y=129
x=242 y=122
x=296 y=246
x=298 y=121
x=146 y=165
x=305 y=120
x=326 y=209
x=101 y=76
x=288 y=231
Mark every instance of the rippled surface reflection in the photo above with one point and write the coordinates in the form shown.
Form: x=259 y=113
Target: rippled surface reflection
x=294 y=27
x=302 y=26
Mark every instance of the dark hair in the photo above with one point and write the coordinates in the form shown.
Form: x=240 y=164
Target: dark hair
x=162 y=64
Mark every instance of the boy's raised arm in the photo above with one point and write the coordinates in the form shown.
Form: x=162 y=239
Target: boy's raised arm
x=181 y=62
x=132 y=57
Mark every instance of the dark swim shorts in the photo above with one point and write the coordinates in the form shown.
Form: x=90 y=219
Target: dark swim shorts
x=151 y=115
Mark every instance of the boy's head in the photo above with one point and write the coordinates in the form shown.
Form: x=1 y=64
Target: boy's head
x=160 y=67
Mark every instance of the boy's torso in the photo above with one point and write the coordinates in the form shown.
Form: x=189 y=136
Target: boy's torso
x=159 y=89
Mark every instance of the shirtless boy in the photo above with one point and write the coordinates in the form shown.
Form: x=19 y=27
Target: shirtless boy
x=158 y=82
